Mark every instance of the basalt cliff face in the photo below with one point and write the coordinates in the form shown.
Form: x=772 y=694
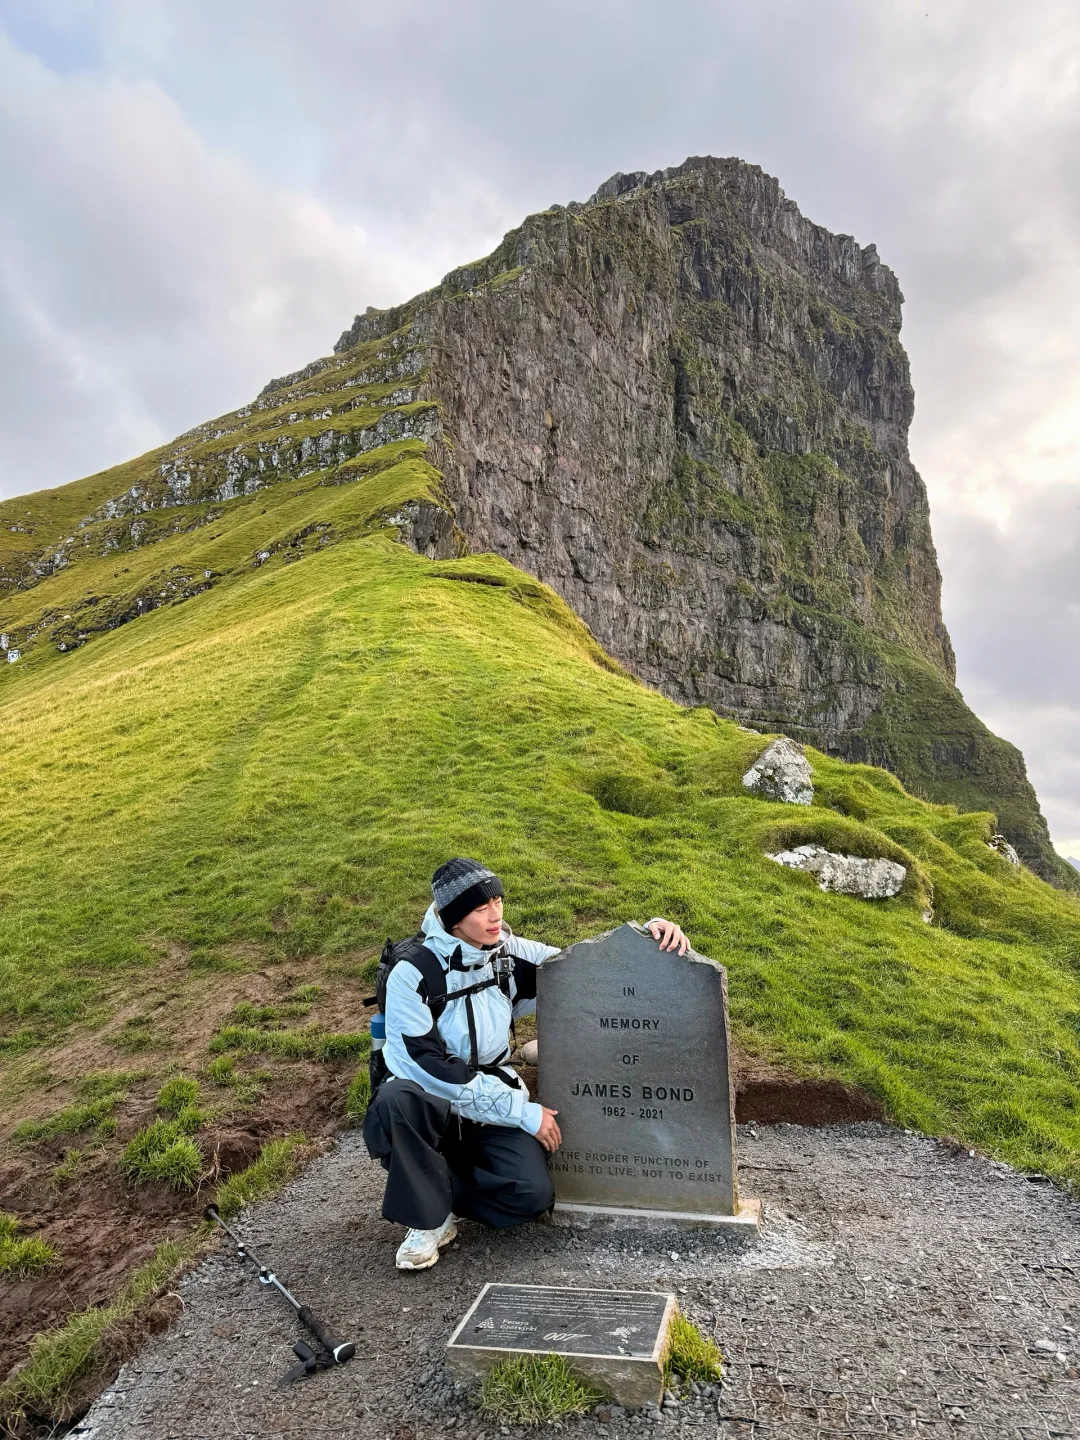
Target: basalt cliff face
x=680 y=404
x=685 y=407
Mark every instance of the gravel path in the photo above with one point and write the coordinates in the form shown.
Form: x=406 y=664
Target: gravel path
x=898 y=1287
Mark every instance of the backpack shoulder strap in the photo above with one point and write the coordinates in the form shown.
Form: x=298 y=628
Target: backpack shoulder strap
x=432 y=974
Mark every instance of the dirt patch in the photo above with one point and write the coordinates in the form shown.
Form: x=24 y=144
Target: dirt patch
x=767 y=1093
x=103 y=1229
x=161 y=1020
x=101 y=1233
x=791 y=1101
x=166 y=1020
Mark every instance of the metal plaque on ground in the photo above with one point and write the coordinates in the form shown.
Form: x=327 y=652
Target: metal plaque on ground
x=634 y=1055
x=616 y=1339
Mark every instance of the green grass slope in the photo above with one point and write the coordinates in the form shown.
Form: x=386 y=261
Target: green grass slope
x=271 y=771
x=323 y=456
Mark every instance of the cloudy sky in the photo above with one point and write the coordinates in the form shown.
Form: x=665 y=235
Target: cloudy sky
x=200 y=195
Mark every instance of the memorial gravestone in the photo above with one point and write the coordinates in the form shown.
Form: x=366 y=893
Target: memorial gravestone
x=634 y=1055
x=616 y=1339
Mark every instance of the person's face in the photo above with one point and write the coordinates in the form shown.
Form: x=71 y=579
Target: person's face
x=482 y=926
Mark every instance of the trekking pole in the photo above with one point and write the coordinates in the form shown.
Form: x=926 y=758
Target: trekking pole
x=336 y=1352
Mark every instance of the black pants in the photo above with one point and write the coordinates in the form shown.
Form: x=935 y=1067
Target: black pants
x=492 y=1173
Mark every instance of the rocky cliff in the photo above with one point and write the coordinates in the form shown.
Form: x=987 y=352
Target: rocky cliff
x=685 y=407
x=681 y=404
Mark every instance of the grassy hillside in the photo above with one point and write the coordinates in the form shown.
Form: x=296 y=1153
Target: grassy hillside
x=268 y=774
x=343 y=447
x=317 y=458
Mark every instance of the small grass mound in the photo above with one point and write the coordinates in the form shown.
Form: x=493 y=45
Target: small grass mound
x=177 y=1094
x=358 y=1097
x=58 y=1361
x=632 y=795
x=100 y=1084
x=692 y=1355
x=136 y=1036
x=248 y=1013
x=293 y=1006
x=277 y=1163
x=68 y=1168
x=246 y=1089
x=22 y=1257
x=164 y=1150
x=292 y=1044
x=222 y=1071
x=72 y=1120
x=531 y=1389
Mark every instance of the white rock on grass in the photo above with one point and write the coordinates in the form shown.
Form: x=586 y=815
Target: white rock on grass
x=1001 y=846
x=782 y=772
x=846 y=874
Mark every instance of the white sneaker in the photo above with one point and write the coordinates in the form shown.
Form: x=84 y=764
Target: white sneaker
x=420 y=1248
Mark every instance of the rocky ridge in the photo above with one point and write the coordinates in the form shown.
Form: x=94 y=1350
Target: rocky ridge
x=680 y=404
x=685 y=407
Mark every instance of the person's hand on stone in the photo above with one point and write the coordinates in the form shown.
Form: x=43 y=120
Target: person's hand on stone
x=549 y=1134
x=669 y=936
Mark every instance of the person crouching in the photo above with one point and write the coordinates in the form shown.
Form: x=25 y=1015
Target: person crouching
x=451 y=1122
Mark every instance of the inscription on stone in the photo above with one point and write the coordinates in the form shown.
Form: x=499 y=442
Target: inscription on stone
x=634 y=1051
x=616 y=1338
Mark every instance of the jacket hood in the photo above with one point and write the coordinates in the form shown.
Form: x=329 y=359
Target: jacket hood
x=444 y=944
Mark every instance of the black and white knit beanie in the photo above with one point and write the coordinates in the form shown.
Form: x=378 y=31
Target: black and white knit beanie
x=460 y=886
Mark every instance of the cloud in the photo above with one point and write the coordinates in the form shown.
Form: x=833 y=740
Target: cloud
x=1013 y=599
x=1047 y=736
x=149 y=281
x=202 y=195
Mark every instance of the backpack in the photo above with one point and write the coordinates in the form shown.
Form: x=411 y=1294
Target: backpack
x=432 y=992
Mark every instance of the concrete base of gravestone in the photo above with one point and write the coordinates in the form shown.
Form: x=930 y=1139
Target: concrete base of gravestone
x=746 y=1220
x=615 y=1340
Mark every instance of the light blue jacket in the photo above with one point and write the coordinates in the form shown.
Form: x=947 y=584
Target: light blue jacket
x=436 y=1054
